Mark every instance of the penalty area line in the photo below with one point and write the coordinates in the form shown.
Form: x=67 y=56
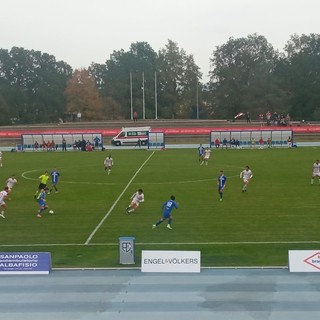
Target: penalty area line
x=116 y=202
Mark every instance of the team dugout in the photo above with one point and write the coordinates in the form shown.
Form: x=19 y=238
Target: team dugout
x=252 y=138
x=52 y=142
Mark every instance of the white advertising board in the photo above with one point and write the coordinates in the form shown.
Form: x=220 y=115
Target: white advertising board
x=304 y=260
x=170 y=261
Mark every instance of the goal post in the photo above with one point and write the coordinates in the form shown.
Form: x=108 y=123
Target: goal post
x=156 y=140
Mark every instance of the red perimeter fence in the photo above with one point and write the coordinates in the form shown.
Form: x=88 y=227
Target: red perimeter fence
x=168 y=131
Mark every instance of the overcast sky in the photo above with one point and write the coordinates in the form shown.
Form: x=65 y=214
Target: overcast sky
x=83 y=31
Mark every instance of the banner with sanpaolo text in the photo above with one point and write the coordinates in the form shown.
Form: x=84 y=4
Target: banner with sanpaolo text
x=25 y=262
x=170 y=261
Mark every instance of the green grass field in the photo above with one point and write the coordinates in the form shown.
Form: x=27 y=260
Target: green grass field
x=278 y=213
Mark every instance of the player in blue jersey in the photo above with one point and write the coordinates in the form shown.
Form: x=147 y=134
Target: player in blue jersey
x=55 y=174
x=42 y=201
x=200 y=153
x=167 y=207
x=222 y=181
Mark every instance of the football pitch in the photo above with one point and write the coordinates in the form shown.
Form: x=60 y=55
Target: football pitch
x=252 y=229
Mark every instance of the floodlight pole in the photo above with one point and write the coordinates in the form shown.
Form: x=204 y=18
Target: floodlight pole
x=197 y=99
x=131 y=105
x=155 y=96
x=143 y=100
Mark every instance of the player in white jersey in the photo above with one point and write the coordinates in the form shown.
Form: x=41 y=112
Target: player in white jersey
x=315 y=171
x=108 y=163
x=0 y=158
x=136 y=199
x=246 y=175
x=3 y=196
x=11 y=182
x=206 y=156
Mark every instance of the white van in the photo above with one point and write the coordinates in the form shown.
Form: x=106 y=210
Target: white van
x=131 y=136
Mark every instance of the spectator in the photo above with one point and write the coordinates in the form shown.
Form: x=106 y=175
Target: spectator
x=261 y=143
x=89 y=146
x=96 y=141
x=248 y=117
x=64 y=144
x=135 y=116
x=261 y=119
x=268 y=117
x=83 y=145
x=275 y=118
x=269 y=142
x=253 y=142
x=288 y=120
x=44 y=145
x=225 y=143
x=232 y=143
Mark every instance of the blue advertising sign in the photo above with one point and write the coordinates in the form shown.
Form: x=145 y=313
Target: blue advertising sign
x=25 y=262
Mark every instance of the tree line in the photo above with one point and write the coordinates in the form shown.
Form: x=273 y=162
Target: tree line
x=246 y=75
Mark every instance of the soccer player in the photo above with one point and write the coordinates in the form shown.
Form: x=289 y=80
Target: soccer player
x=136 y=199
x=55 y=174
x=222 y=181
x=246 y=175
x=11 y=182
x=108 y=163
x=43 y=183
x=167 y=207
x=42 y=201
x=0 y=158
x=315 y=171
x=3 y=196
x=200 y=153
x=206 y=156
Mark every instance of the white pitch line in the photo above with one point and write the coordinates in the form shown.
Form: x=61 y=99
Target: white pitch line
x=23 y=175
x=118 y=183
x=115 y=203
x=222 y=243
